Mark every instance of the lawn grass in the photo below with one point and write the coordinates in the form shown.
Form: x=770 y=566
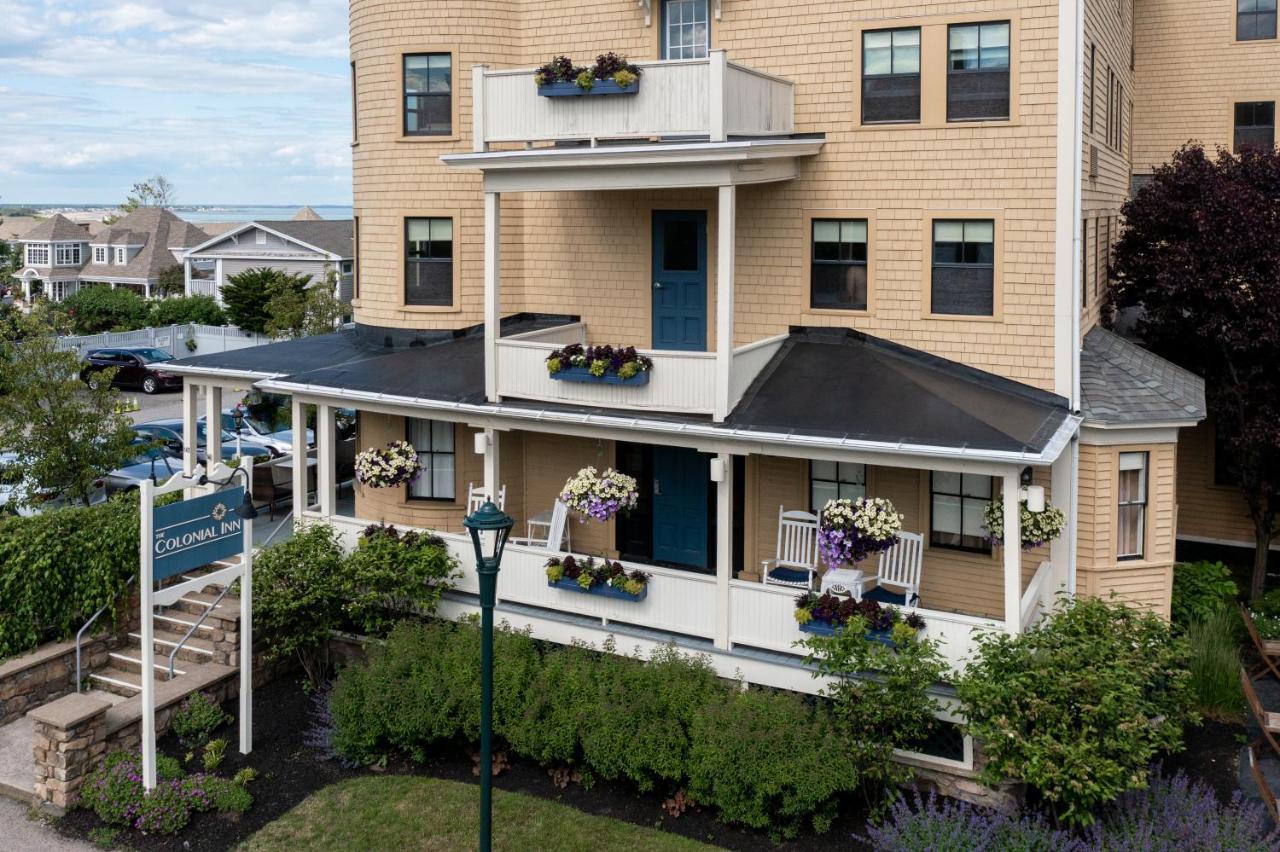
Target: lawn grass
x=400 y=813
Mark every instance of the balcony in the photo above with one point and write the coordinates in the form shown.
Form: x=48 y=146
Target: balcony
x=680 y=383
x=711 y=99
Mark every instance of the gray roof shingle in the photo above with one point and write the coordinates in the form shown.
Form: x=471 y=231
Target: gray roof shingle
x=57 y=228
x=1122 y=383
x=331 y=235
x=158 y=231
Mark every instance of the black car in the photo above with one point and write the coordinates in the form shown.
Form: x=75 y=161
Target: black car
x=137 y=367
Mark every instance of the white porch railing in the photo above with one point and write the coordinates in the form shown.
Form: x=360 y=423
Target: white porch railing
x=709 y=97
x=203 y=287
x=760 y=617
x=1038 y=598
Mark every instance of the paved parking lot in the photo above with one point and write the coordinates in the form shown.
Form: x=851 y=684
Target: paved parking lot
x=166 y=405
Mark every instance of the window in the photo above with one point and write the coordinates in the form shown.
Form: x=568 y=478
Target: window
x=978 y=72
x=355 y=267
x=1255 y=19
x=66 y=254
x=891 y=75
x=1093 y=64
x=1104 y=271
x=1084 y=263
x=1255 y=125
x=428 y=261
x=830 y=480
x=38 y=255
x=355 y=126
x=260 y=237
x=428 y=94
x=122 y=254
x=1117 y=136
x=99 y=254
x=957 y=501
x=433 y=439
x=346 y=267
x=686 y=32
x=963 y=279
x=838 y=264
x=1131 y=517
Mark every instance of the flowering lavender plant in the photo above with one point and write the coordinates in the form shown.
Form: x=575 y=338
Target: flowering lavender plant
x=395 y=465
x=925 y=824
x=851 y=530
x=600 y=495
x=1038 y=528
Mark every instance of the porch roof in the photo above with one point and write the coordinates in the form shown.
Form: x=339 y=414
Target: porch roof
x=1123 y=384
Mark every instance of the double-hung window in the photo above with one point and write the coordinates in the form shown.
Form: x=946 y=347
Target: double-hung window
x=963 y=275
x=428 y=261
x=1255 y=19
x=1255 y=125
x=433 y=439
x=67 y=254
x=957 y=501
x=99 y=254
x=838 y=265
x=830 y=480
x=428 y=94
x=1131 y=513
x=122 y=255
x=978 y=71
x=891 y=76
x=686 y=30
x=38 y=255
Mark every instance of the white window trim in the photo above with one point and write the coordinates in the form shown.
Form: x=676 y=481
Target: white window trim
x=121 y=255
x=67 y=254
x=99 y=254
x=38 y=251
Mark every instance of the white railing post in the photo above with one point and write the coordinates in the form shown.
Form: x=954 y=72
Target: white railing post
x=325 y=468
x=300 y=455
x=716 y=69
x=212 y=430
x=477 y=108
x=724 y=546
x=1012 y=553
x=492 y=296
x=727 y=231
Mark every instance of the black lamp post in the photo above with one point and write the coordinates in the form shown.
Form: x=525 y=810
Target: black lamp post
x=489 y=529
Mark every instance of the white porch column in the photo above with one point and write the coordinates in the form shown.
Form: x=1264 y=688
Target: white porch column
x=1063 y=482
x=190 y=414
x=1012 y=553
x=212 y=429
x=326 y=479
x=217 y=280
x=492 y=468
x=492 y=296
x=728 y=214
x=299 y=460
x=724 y=546
x=716 y=66
x=186 y=276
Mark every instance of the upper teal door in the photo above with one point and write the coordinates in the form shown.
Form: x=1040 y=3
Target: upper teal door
x=680 y=280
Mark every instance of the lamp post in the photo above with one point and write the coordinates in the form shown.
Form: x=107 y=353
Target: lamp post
x=489 y=529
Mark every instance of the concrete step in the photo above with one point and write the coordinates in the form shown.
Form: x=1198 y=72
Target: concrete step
x=197 y=649
x=118 y=681
x=130 y=660
x=181 y=621
x=198 y=603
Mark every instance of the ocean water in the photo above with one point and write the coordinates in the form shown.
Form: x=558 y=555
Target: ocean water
x=233 y=213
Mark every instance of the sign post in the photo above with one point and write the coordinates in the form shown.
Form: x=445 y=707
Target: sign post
x=181 y=537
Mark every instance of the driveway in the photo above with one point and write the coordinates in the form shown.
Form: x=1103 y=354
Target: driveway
x=20 y=833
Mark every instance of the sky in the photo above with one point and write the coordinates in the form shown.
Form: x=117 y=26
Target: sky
x=235 y=101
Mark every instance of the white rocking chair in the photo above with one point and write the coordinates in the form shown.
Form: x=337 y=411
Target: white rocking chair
x=555 y=525
x=796 y=557
x=900 y=567
x=478 y=496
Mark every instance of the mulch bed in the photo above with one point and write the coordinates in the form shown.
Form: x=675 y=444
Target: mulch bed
x=290 y=771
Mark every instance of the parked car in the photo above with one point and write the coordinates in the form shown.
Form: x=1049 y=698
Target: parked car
x=153 y=461
x=170 y=432
x=260 y=433
x=138 y=367
x=15 y=491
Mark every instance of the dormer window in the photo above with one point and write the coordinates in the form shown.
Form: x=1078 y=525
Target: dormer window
x=122 y=255
x=260 y=237
x=67 y=254
x=38 y=255
x=99 y=254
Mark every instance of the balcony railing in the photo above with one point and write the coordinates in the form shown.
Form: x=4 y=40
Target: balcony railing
x=680 y=382
x=711 y=98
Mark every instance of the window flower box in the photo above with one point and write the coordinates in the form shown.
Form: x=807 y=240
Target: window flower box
x=828 y=615
x=604 y=591
x=573 y=90
x=611 y=75
x=827 y=628
x=584 y=375
x=605 y=579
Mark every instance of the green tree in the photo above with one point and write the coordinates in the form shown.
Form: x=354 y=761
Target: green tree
x=246 y=295
x=94 y=309
x=300 y=313
x=155 y=191
x=180 y=310
x=65 y=435
x=172 y=281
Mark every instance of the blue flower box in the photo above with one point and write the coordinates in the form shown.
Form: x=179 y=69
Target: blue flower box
x=826 y=628
x=573 y=90
x=583 y=374
x=604 y=590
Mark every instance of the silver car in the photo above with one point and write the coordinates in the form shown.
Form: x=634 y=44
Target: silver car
x=20 y=497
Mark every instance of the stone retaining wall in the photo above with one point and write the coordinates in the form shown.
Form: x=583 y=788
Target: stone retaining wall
x=48 y=673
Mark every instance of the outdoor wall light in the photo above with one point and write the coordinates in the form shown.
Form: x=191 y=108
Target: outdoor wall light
x=246 y=509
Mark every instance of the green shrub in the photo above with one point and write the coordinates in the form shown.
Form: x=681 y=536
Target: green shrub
x=409 y=570
x=99 y=308
x=562 y=694
x=196 y=718
x=224 y=795
x=59 y=568
x=769 y=761
x=1201 y=589
x=215 y=751
x=1215 y=665
x=181 y=310
x=1079 y=705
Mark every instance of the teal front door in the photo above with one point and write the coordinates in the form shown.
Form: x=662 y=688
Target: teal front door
x=680 y=280
x=681 y=483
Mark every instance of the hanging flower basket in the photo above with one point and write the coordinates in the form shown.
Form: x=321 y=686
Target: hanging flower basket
x=605 y=579
x=1038 y=528
x=851 y=530
x=600 y=495
x=390 y=467
x=611 y=365
x=828 y=614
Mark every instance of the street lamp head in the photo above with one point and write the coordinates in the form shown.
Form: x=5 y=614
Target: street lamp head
x=489 y=528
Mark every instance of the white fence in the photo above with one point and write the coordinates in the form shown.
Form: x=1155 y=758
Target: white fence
x=173 y=339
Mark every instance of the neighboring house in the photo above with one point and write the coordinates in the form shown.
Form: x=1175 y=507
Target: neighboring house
x=62 y=256
x=869 y=261
x=306 y=245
